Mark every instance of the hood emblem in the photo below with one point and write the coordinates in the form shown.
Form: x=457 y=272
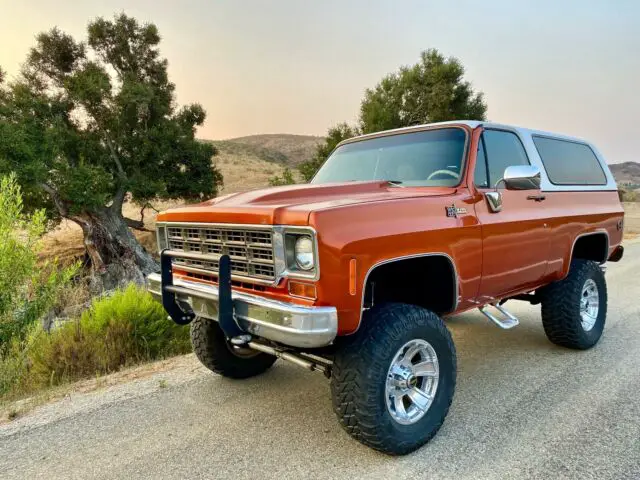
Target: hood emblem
x=455 y=212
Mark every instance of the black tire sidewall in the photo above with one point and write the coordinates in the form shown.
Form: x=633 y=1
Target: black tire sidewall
x=214 y=352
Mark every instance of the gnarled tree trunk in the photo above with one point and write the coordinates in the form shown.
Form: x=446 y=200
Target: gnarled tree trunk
x=116 y=256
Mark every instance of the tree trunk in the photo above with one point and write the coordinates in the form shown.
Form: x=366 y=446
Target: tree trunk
x=116 y=256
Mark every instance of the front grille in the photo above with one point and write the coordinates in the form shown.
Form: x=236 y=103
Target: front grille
x=251 y=250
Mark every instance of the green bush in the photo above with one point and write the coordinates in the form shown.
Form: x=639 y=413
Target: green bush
x=126 y=328
x=285 y=179
x=28 y=288
x=13 y=368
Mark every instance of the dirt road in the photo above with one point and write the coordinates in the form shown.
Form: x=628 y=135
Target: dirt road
x=524 y=408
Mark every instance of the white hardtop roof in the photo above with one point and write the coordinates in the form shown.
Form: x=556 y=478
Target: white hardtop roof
x=471 y=124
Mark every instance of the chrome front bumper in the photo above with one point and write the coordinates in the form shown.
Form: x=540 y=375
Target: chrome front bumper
x=286 y=323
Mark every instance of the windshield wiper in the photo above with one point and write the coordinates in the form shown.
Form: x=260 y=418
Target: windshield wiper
x=395 y=183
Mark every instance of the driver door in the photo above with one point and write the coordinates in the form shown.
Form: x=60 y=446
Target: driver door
x=515 y=240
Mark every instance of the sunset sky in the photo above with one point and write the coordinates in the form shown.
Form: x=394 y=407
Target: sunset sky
x=295 y=66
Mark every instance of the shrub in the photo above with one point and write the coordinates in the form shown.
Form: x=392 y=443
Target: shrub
x=13 y=368
x=126 y=328
x=285 y=179
x=28 y=288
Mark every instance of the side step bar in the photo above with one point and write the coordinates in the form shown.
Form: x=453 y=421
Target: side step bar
x=507 y=320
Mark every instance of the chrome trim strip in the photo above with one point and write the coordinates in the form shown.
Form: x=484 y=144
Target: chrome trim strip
x=229 y=226
x=286 y=323
x=408 y=257
x=209 y=273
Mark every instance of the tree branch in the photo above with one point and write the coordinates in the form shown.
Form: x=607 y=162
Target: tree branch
x=143 y=209
x=118 y=199
x=57 y=201
x=136 y=224
x=116 y=159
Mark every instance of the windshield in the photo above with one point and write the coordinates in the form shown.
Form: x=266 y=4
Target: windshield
x=430 y=158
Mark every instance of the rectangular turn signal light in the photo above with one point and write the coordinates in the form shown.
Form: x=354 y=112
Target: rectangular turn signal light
x=304 y=290
x=352 y=277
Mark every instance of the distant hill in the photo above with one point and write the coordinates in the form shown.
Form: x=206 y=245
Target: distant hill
x=627 y=173
x=249 y=162
x=281 y=148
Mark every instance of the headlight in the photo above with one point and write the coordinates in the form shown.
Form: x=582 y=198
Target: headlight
x=304 y=253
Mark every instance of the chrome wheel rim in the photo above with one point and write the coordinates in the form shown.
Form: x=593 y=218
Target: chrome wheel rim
x=589 y=305
x=412 y=381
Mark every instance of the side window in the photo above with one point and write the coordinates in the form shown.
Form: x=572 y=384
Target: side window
x=569 y=163
x=480 y=175
x=503 y=149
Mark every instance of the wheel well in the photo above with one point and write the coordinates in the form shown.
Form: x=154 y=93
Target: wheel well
x=593 y=246
x=427 y=281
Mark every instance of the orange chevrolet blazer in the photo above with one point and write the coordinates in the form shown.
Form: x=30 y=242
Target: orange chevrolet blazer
x=352 y=274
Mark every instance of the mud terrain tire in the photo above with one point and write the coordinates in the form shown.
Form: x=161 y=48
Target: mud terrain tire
x=362 y=371
x=218 y=355
x=563 y=301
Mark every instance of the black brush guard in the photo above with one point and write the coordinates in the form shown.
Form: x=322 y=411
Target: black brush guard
x=183 y=316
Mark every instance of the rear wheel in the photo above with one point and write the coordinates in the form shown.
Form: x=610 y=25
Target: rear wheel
x=393 y=382
x=574 y=310
x=216 y=353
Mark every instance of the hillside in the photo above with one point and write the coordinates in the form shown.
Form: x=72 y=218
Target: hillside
x=282 y=147
x=248 y=162
x=627 y=173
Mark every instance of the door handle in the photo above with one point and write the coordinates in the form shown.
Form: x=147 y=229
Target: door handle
x=536 y=198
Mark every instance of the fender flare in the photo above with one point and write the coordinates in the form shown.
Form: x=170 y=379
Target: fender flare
x=456 y=277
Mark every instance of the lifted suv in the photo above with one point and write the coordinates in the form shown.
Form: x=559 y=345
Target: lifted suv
x=352 y=274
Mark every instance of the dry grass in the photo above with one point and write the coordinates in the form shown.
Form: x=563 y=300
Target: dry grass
x=631 y=219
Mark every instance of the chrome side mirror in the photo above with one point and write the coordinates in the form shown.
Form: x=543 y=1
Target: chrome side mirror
x=516 y=177
x=521 y=177
x=494 y=199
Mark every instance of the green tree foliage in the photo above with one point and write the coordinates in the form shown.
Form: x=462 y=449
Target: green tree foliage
x=28 y=288
x=335 y=135
x=87 y=123
x=432 y=90
x=285 y=179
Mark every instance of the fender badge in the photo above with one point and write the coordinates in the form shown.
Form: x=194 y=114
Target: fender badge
x=454 y=212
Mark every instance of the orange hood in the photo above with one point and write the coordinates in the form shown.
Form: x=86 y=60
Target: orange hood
x=292 y=205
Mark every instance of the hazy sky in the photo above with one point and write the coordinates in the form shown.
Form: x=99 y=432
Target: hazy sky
x=296 y=66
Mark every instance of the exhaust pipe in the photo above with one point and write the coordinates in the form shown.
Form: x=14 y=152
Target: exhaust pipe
x=292 y=357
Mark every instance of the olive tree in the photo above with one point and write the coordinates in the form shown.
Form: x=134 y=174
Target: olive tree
x=87 y=124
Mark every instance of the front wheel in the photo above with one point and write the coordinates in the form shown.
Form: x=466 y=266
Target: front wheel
x=393 y=382
x=216 y=353
x=574 y=309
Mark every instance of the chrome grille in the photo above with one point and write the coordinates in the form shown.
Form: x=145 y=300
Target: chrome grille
x=250 y=250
